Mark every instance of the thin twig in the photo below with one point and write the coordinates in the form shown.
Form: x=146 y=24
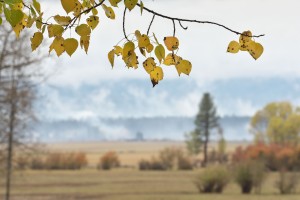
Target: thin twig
x=196 y=21
x=150 y=24
x=174 y=27
x=124 y=31
x=185 y=28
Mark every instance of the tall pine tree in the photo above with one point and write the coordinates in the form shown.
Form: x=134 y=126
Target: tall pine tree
x=206 y=120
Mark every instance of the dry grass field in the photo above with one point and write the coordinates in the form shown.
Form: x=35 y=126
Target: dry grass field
x=124 y=184
x=129 y=152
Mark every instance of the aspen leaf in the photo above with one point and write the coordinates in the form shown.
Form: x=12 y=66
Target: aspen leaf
x=114 y=3
x=78 y=8
x=68 y=5
x=109 y=12
x=111 y=57
x=14 y=17
x=149 y=65
x=149 y=48
x=85 y=42
x=57 y=45
x=30 y=21
x=143 y=52
x=36 y=40
x=93 y=21
x=37 y=6
x=233 y=47
x=128 y=47
x=131 y=60
x=156 y=75
x=18 y=6
x=71 y=45
x=245 y=37
x=244 y=40
x=144 y=41
x=130 y=4
x=160 y=52
x=62 y=20
x=172 y=59
x=184 y=66
x=118 y=50
x=255 y=49
x=18 y=28
x=172 y=43
x=95 y=11
x=55 y=30
x=137 y=34
x=83 y=30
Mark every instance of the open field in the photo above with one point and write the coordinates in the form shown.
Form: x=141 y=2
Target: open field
x=125 y=185
x=129 y=152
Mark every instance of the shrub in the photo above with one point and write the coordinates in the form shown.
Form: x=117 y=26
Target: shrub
x=36 y=163
x=212 y=180
x=154 y=164
x=174 y=158
x=287 y=182
x=249 y=175
x=276 y=157
x=108 y=161
x=22 y=162
x=57 y=161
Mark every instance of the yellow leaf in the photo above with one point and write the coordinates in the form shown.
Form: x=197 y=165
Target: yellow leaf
x=245 y=38
x=19 y=27
x=93 y=21
x=160 y=52
x=78 y=8
x=137 y=34
x=156 y=75
x=130 y=4
x=55 y=30
x=255 y=49
x=114 y=2
x=18 y=6
x=143 y=52
x=172 y=59
x=62 y=20
x=95 y=11
x=149 y=65
x=111 y=57
x=83 y=30
x=149 y=48
x=36 y=40
x=184 y=66
x=109 y=12
x=85 y=42
x=68 y=5
x=131 y=60
x=128 y=47
x=30 y=21
x=172 y=43
x=144 y=41
x=71 y=46
x=57 y=45
x=233 y=47
x=118 y=50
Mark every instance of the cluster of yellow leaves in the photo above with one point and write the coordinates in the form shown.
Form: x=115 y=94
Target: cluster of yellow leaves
x=144 y=44
x=165 y=54
x=246 y=43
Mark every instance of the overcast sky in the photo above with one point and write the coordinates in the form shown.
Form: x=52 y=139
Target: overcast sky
x=204 y=45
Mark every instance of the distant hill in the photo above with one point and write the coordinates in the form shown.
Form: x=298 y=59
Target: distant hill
x=154 y=128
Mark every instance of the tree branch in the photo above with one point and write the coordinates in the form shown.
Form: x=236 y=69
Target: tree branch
x=195 y=21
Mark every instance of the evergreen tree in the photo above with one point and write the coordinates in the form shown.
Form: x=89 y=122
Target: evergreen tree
x=193 y=143
x=206 y=120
